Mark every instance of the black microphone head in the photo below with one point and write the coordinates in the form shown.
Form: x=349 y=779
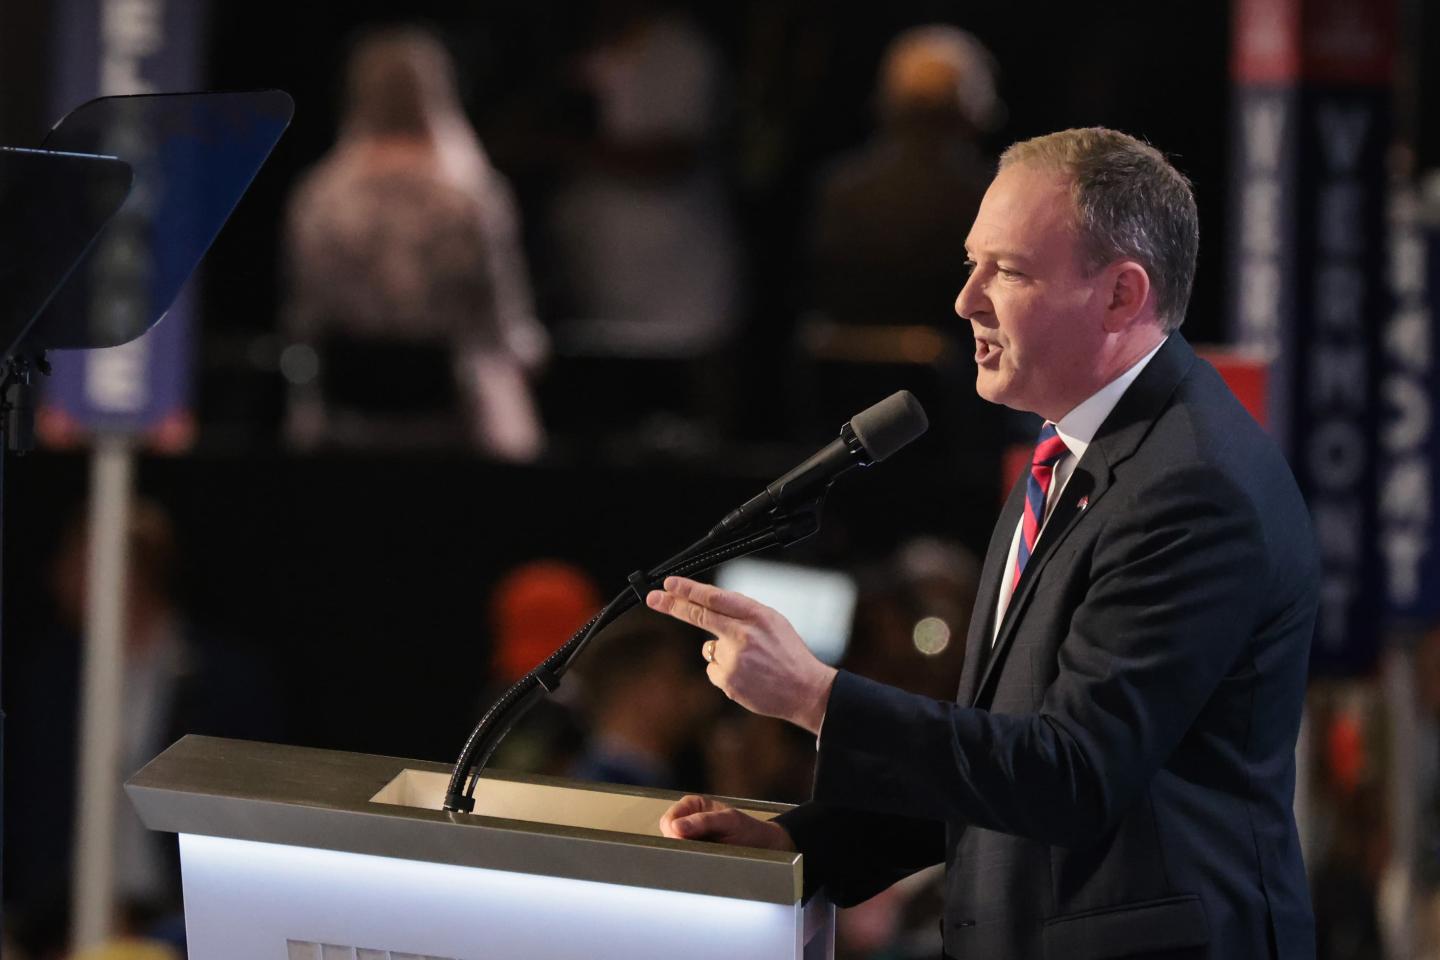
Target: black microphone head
x=890 y=424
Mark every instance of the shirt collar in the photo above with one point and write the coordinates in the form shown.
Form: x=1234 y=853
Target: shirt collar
x=1078 y=427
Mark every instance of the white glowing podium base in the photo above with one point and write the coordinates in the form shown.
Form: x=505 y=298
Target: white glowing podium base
x=290 y=853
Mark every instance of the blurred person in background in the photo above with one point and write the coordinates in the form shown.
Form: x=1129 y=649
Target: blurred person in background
x=755 y=757
x=534 y=609
x=889 y=226
x=1349 y=836
x=1345 y=884
x=910 y=625
x=892 y=215
x=410 y=307
x=1427 y=856
x=645 y=698
x=179 y=678
x=643 y=234
x=910 y=630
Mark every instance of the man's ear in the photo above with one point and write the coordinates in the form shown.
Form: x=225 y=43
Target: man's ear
x=1128 y=286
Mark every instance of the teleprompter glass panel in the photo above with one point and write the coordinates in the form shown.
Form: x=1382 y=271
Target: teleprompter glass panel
x=193 y=156
x=52 y=207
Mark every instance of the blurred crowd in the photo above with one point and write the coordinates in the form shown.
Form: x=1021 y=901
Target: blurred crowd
x=426 y=306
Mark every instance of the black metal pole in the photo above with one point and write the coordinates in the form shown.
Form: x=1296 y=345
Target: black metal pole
x=4 y=450
x=17 y=430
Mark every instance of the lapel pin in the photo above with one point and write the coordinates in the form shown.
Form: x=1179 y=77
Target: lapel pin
x=1082 y=503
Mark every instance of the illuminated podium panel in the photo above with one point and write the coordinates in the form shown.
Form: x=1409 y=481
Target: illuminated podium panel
x=290 y=853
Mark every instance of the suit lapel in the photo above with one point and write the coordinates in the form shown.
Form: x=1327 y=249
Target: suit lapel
x=982 y=618
x=1117 y=438
x=1090 y=480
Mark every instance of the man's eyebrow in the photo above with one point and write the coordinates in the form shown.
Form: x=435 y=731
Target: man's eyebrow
x=1015 y=255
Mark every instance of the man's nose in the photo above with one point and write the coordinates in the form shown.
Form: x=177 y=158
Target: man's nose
x=971 y=299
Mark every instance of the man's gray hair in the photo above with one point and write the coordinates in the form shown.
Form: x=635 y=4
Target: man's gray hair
x=1130 y=204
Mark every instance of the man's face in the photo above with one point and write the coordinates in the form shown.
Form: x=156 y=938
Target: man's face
x=1036 y=317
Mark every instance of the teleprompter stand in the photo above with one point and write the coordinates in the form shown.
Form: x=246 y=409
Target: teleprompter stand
x=102 y=226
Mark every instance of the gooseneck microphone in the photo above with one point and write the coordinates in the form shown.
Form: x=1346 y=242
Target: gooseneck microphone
x=871 y=436
x=784 y=513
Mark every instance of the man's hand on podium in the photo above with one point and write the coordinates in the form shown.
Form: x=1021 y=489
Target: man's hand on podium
x=700 y=818
x=757 y=658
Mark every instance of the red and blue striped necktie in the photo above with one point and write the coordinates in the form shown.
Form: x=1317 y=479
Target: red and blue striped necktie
x=1048 y=451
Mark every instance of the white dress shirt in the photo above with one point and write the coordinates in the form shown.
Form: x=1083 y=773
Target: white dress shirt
x=1076 y=429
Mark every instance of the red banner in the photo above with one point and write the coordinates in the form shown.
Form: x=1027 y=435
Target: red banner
x=1348 y=42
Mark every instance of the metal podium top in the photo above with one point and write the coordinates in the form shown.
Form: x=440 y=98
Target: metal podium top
x=390 y=807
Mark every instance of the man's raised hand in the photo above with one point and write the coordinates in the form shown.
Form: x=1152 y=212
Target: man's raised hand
x=757 y=658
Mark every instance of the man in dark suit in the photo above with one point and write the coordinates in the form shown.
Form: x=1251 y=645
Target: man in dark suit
x=1116 y=776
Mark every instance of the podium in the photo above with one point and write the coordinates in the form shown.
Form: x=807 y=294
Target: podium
x=291 y=853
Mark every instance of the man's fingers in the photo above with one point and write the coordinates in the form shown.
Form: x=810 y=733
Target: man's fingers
x=701 y=818
x=726 y=602
x=725 y=824
x=707 y=619
x=681 y=809
x=708 y=825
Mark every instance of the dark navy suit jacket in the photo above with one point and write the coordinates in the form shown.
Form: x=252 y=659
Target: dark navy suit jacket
x=1116 y=776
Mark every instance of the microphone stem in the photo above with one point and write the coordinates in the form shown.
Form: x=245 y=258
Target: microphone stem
x=515 y=702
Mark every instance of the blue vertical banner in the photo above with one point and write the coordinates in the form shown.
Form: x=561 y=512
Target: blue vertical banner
x=1307 y=276
x=111 y=48
x=1409 y=492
